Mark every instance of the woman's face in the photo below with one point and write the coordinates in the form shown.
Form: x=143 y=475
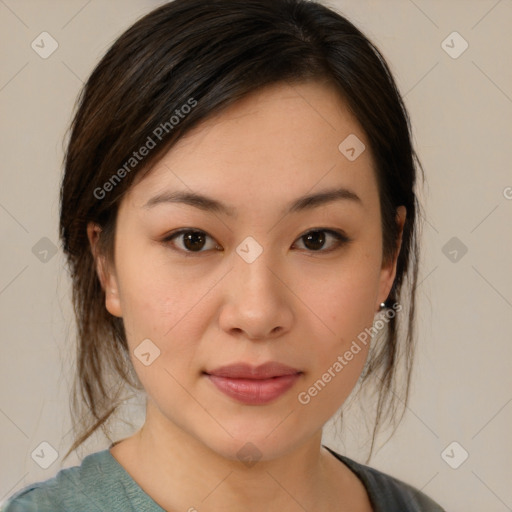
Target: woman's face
x=260 y=282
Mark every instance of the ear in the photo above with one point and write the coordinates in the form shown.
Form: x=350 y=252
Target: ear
x=106 y=274
x=388 y=271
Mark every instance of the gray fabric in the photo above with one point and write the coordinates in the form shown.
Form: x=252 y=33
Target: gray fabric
x=388 y=494
x=100 y=483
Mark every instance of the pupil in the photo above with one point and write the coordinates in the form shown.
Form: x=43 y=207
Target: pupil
x=318 y=239
x=194 y=237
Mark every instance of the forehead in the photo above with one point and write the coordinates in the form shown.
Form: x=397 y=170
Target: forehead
x=277 y=143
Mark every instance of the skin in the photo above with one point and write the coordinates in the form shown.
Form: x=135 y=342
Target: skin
x=292 y=304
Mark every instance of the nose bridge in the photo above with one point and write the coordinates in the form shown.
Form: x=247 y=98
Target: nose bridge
x=253 y=264
x=256 y=303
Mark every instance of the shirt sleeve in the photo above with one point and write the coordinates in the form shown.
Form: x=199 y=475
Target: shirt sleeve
x=33 y=499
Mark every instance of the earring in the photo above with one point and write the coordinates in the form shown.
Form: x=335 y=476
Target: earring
x=382 y=306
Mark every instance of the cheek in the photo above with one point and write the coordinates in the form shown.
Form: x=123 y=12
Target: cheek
x=344 y=296
x=344 y=299
x=332 y=379
x=157 y=296
x=146 y=303
x=158 y=305
x=338 y=357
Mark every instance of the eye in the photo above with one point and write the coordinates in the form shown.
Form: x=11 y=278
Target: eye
x=193 y=240
x=314 y=240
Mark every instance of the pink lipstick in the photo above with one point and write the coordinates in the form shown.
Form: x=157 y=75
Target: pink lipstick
x=254 y=385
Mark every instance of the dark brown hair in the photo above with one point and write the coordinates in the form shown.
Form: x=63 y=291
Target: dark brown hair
x=211 y=54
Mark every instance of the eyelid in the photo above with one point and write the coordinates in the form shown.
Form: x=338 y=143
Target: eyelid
x=176 y=233
x=341 y=237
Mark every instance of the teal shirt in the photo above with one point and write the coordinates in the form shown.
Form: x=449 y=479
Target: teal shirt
x=100 y=483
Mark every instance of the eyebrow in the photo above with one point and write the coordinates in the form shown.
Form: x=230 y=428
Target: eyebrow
x=210 y=204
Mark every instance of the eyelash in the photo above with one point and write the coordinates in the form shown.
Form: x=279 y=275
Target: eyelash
x=340 y=237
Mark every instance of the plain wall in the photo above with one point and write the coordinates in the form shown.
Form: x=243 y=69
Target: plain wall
x=461 y=111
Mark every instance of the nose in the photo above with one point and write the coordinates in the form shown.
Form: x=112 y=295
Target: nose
x=257 y=302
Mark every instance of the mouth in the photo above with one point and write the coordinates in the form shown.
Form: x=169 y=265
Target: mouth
x=254 y=391
x=243 y=370
x=254 y=385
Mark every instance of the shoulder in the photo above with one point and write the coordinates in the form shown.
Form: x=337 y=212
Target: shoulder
x=90 y=486
x=388 y=493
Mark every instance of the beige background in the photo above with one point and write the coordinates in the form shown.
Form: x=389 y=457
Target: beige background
x=461 y=111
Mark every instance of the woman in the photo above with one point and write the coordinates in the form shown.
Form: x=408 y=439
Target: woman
x=239 y=215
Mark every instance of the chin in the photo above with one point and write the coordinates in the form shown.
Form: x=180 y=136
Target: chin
x=249 y=447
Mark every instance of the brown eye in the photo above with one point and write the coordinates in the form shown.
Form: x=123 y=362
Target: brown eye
x=191 y=240
x=195 y=241
x=314 y=240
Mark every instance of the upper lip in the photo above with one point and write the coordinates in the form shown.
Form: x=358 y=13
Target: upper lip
x=247 y=371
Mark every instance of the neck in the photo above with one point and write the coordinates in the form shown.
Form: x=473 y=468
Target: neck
x=182 y=473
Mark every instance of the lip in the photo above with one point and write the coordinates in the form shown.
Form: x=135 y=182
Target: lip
x=247 y=371
x=254 y=385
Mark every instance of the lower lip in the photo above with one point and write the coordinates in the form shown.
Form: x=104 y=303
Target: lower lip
x=254 y=391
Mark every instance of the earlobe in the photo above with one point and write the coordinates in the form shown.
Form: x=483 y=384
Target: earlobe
x=388 y=271
x=106 y=275
x=112 y=302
